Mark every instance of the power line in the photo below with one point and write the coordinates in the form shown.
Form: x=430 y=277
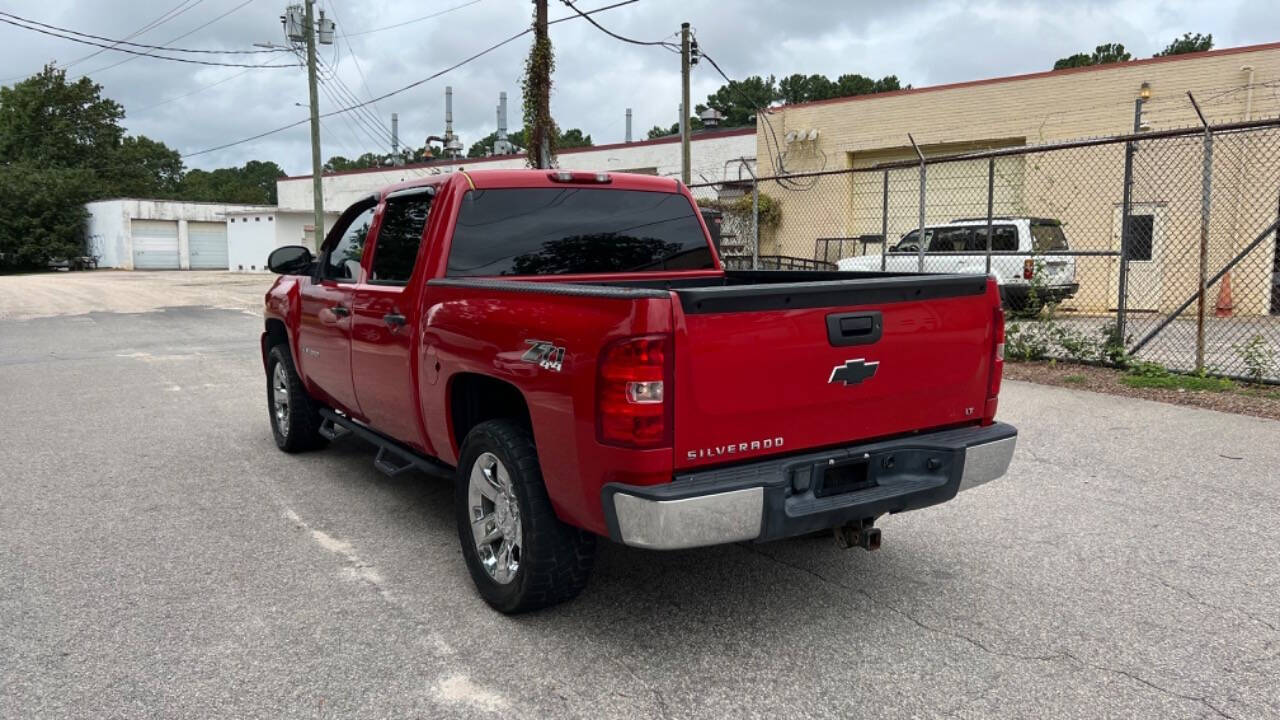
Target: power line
x=364 y=81
x=170 y=14
x=341 y=96
x=350 y=97
x=410 y=22
x=183 y=35
x=410 y=86
x=660 y=43
x=775 y=149
x=136 y=52
x=139 y=45
x=355 y=122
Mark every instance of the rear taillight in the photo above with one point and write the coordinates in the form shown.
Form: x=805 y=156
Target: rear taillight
x=997 y=366
x=1028 y=269
x=633 y=391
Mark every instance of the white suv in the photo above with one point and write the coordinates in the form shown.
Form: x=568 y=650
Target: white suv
x=1021 y=248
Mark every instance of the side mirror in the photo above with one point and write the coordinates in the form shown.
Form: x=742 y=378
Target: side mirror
x=290 y=260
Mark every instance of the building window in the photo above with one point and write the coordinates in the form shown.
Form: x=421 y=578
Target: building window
x=1141 y=236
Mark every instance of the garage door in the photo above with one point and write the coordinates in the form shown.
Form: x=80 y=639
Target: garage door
x=155 y=244
x=208 y=245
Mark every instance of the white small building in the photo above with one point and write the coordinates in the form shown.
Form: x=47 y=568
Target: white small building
x=716 y=156
x=139 y=234
x=253 y=234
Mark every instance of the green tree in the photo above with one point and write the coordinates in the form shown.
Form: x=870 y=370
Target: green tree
x=695 y=123
x=50 y=122
x=255 y=184
x=145 y=168
x=1188 y=43
x=44 y=215
x=739 y=99
x=808 y=88
x=1101 y=55
x=804 y=88
x=852 y=84
x=61 y=145
x=571 y=138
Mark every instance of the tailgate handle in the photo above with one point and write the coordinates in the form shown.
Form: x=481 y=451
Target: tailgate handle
x=860 y=328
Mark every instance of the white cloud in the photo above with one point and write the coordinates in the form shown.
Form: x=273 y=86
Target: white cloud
x=923 y=42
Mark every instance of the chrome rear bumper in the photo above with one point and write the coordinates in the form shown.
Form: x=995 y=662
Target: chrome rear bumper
x=780 y=497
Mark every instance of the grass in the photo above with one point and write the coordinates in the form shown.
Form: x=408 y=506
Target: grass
x=1262 y=392
x=1074 y=379
x=1178 y=382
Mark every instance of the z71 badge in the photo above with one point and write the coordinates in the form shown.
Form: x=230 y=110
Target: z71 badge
x=545 y=354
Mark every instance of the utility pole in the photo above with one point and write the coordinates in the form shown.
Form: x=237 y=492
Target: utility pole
x=317 y=183
x=543 y=128
x=300 y=26
x=684 y=103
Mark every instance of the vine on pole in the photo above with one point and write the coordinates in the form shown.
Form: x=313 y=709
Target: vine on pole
x=542 y=133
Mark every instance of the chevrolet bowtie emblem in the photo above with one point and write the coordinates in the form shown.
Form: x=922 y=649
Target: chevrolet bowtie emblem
x=853 y=372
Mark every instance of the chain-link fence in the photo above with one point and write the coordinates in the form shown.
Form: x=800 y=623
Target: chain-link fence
x=1099 y=246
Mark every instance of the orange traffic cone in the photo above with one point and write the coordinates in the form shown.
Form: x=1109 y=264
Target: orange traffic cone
x=1225 y=304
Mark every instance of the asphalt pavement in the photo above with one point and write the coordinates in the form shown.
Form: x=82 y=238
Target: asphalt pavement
x=160 y=558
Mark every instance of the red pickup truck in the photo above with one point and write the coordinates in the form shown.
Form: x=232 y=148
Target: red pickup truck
x=567 y=347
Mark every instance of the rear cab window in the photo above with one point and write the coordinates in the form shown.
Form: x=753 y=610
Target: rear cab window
x=564 y=231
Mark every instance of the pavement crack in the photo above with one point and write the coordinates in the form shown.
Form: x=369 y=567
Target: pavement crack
x=1204 y=701
x=903 y=613
x=663 y=711
x=1196 y=599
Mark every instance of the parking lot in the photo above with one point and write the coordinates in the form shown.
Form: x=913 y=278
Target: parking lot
x=162 y=558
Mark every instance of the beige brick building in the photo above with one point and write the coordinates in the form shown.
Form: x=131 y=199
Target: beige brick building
x=1083 y=187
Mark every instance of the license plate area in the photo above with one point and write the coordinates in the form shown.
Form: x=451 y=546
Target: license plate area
x=843 y=477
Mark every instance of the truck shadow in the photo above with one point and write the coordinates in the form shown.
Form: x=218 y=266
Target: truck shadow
x=691 y=601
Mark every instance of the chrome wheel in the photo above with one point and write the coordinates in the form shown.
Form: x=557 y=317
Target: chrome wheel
x=280 y=398
x=495 y=518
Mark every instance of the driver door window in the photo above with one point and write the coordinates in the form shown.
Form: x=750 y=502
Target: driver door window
x=909 y=243
x=342 y=262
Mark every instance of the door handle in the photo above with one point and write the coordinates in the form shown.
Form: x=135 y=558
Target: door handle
x=861 y=328
x=340 y=311
x=394 y=319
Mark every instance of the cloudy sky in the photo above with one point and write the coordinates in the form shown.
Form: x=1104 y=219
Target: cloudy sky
x=192 y=108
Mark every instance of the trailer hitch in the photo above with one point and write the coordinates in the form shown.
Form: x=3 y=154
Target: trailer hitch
x=860 y=534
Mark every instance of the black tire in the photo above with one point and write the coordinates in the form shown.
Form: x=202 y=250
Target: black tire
x=299 y=429
x=555 y=560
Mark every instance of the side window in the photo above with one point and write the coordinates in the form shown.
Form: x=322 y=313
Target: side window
x=343 y=262
x=1004 y=239
x=950 y=239
x=909 y=241
x=399 y=236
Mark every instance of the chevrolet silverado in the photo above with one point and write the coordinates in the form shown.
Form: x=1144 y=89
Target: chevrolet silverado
x=568 y=349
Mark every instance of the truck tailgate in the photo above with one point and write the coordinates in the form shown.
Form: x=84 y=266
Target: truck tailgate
x=766 y=370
